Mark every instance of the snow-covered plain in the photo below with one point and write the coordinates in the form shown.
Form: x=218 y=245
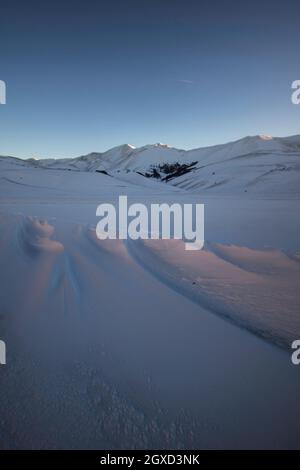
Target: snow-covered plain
x=142 y=344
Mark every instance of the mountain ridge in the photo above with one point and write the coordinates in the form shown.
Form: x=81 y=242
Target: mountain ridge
x=289 y=140
x=253 y=163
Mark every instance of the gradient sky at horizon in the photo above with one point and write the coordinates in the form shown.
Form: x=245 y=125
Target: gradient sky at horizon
x=87 y=76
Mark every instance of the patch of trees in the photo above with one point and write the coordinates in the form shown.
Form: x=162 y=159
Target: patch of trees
x=167 y=171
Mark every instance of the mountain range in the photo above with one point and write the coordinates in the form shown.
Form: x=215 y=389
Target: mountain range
x=260 y=164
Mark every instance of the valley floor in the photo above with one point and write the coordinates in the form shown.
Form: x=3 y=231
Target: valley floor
x=114 y=345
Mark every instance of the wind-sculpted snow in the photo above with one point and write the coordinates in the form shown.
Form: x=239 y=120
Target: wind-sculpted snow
x=258 y=289
x=35 y=236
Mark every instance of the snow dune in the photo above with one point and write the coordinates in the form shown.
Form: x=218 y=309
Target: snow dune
x=258 y=289
x=101 y=354
x=35 y=235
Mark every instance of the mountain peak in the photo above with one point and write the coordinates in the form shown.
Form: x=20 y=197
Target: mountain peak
x=265 y=137
x=160 y=144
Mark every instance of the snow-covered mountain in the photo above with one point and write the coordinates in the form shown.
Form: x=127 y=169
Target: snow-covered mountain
x=133 y=340
x=260 y=164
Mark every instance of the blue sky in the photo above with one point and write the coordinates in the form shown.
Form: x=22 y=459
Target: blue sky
x=86 y=76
